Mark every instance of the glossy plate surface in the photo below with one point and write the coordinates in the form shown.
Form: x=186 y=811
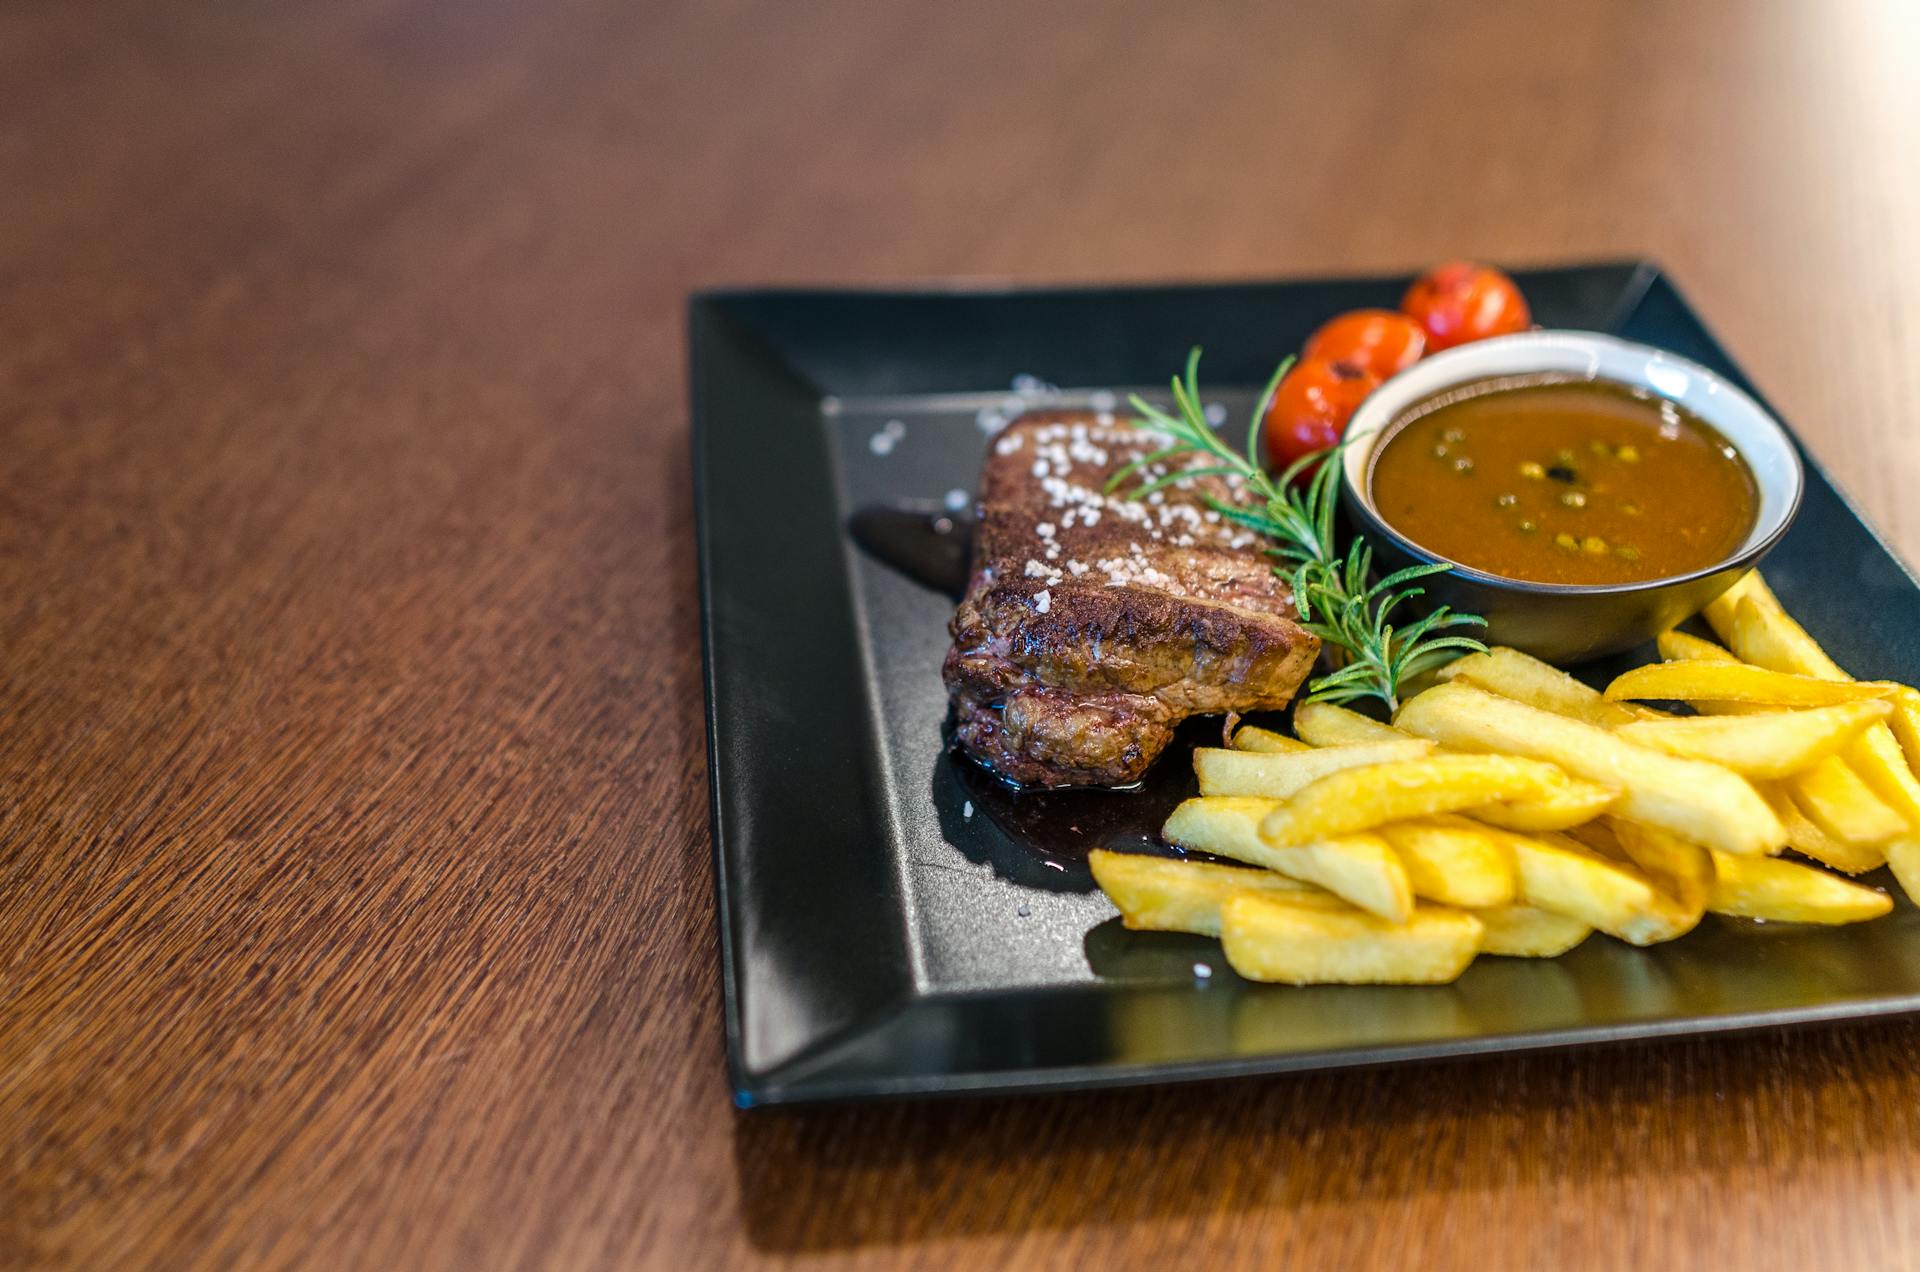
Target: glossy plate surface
x=886 y=926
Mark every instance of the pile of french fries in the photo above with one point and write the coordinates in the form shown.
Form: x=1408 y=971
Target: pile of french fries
x=1512 y=810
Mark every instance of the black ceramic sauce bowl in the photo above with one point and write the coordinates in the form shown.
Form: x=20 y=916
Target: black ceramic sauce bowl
x=1572 y=623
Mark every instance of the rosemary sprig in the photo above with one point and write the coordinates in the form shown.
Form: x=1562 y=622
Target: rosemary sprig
x=1296 y=510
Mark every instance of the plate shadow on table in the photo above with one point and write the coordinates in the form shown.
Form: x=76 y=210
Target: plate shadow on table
x=1790 y=1104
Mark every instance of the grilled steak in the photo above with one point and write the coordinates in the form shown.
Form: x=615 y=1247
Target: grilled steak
x=1092 y=626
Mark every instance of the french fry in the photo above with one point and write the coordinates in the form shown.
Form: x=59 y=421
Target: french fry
x=1324 y=724
x=1735 y=682
x=1270 y=940
x=1803 y=834
x=1679 y=646
x=1903 y=858
x=1523 y=678
x=1277 y=775
x=1160 y=894
x=1681 y=870
x=1224 y=825
x=1828 y=791
x=1565 y=877
x=1835 y=799
x=1359 y=799
x=1360 y=869
x=1905 y=722
x=1763 y=633
x=1525 y=931
x=1807 y=839
x=1696 y=801
x=1579 y=802
x=1251 y=737
x=1767 y=744
x=1453 y=861
x=1758 y=629
x=1787 y=892
x=1719 y=611
x=1881 y=763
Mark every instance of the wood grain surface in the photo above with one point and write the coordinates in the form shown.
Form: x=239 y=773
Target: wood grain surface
x=355 y=903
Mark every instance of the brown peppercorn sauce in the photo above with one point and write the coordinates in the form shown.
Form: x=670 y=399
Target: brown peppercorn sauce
x=1557 y=480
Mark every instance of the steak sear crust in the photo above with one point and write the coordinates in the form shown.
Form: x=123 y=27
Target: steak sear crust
x=1092 y=625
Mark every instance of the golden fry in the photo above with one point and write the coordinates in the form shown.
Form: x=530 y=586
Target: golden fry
x=1835 y=799
x=1719 y=613
x=1767 y=744
x=1736 y=682
x=1760 y=630
x=1524 y=678
x=1903 y=857
x=1224 y=825
x=1579 y=802
x=1361 y=798
x=1678 y=646
x=1268 y=940
x=1787 y=892
x=1881 y=764
x=1697 y=801
x=1566 y=877
x=1807 y=839
x=1681 y=870
x=1324 y=724
x=1525 y=931
x=1252 y=737
x=1906 y=722
x=1277 y=775
x=1360 y=869
x=1453 y=861
x=1162 y=894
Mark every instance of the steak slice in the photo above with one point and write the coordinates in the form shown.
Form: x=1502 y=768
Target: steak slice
x=1093 y=625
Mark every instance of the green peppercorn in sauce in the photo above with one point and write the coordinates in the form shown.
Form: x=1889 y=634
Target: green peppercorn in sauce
x=1558 y=480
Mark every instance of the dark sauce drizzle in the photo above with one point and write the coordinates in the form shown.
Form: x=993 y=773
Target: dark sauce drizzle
x=1066 y=823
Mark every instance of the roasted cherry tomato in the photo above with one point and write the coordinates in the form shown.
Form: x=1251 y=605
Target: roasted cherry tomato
x=1459 y=302
x=1311 y=408
x=1378 y=341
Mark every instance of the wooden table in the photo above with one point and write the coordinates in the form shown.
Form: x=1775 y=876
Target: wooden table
x=354 y=892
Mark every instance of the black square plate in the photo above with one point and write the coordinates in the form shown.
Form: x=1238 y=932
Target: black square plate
x=882 y=936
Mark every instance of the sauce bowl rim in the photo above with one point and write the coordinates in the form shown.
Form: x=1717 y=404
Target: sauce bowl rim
x=1373 y=423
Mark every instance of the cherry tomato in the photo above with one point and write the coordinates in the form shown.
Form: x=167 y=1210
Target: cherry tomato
x=1311 y=408
x=1459 y=302
x=1379 y=341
